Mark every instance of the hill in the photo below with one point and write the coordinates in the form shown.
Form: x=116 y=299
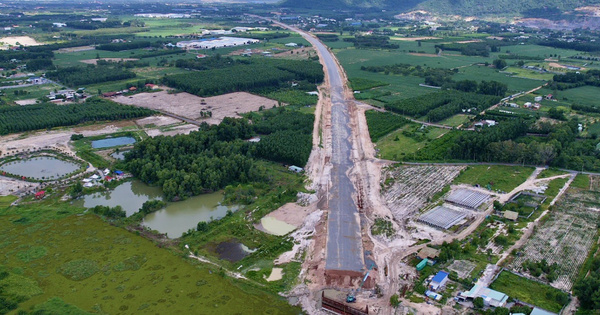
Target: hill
x=460 y=7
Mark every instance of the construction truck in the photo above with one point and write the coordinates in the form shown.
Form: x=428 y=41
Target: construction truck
x=351 y=298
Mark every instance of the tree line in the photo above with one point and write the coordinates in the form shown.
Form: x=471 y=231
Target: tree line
x=90 y=74
x=372 y=41
x=129 y=45
x=252 y=76
x=33 y=117
x=441 y=105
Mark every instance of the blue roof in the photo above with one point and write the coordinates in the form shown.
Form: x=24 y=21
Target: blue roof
x=440 y=276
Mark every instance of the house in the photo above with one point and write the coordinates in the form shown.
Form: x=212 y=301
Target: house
x=315 y=93
x=119 y=173
x=254 y=139
x=428 y=253
x=151 y=86
x=537 y=106
x=486 y=122
x=438 y=281
x=490 y=297
x=296 y=169
x=511 y=215
x=527 y=105
x=59 y=24
x=433 y=295
x=201 y=56
x=538 y=98
x=106 y=171
x=291 y=45
x=95 y=176
x=422 y=264
x=539 y=311
x=549 y=96
x=40 y=194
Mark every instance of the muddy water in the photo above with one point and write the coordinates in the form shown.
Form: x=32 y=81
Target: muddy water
x=112 y=142
x=38 y=167
x=232 y=251
x=276 y=227
x=119 y=155
x=176 y=218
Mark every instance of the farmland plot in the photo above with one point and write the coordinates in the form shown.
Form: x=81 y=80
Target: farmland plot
x=565 y=238
x=408 y=189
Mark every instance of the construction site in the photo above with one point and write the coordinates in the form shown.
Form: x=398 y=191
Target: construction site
x=348 y=269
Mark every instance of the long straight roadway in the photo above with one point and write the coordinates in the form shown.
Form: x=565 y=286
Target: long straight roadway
x=344 y=242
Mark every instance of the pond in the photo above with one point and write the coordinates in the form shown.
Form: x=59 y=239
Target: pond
x=119 y=155
x=42 y=167
x=178 y=217
x=175 y=219
x=112 y=142
x=276 y=227
x=232 y=251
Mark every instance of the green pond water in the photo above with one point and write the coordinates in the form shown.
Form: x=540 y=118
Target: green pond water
x=175 y=219
x=38 y=167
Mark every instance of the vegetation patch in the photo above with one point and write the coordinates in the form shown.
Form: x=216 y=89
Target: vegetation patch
x=500 y=177
x=79 y=269
x=32 y=253
x=381 y=124
x=383 y=227
x=529 y=291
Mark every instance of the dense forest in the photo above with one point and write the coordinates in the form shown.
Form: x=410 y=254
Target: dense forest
x=227 y=75
x=572 y=79
x=34 y=117
x=90 y=74
x=217 y=156
x=587 y=288
x=128 y=45
x=441 y=105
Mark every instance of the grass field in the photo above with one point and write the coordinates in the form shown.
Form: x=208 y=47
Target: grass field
x=505 y=178
x=581 y=181
x=586 y=95
x=104 y=269
x=397 y=145
x=528 y=291
x=549 y=172
x=536 y=50
x=5 y=201
x=455 y=120
x=483 y=73
x=520 y=72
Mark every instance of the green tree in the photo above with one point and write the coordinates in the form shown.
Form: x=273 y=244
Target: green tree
x=76 y=190
x=478 y=302
x=395 y=300
x=500 y=63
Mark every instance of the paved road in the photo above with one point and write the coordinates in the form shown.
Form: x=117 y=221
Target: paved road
x=344 y=244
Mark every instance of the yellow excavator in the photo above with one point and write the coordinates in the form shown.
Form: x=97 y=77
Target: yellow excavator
x=350 y=298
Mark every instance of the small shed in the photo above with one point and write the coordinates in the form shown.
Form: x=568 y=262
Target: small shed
x=428 y=252
x=539 y=311
x=40 y=194
x=119 y=173
x=295 y=168
x=511 y=215
x=422 y=264
x=439 y=280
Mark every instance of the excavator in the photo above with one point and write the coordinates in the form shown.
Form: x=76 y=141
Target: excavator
x=350 y=298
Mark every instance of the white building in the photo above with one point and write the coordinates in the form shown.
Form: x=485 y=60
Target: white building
x=216 y=43
x=59 y=24
x=538 y=99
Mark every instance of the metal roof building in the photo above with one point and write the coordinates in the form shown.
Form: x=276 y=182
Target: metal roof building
x=468 y=198
x=441 y=217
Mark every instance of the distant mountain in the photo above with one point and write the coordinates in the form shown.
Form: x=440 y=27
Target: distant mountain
x=460 y=7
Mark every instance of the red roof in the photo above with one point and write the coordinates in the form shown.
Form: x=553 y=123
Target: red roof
x=40 y=194
x=133 y=88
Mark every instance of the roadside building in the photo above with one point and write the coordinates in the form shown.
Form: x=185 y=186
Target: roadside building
x=539 y=311
x=438 y=281
x=511 y=215
x=428 y=253
x=295 y=169
x=490 y=297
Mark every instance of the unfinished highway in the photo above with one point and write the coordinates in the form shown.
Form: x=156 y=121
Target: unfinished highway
x=344 y=244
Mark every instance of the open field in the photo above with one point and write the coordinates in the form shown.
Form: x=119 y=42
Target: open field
x=456 y=120
x=586 y=95
x=528 y=291
x=95 y=61
x=565 y=237
x=19 y=40
x=97 y=267
x=504 y=178
x=189 y=106
x=400 y=144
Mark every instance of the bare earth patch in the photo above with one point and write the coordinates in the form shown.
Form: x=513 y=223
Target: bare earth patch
x=95 y=61
x=22 y=40
x=189 y=106
x=157 y=121
x=31 y=101
x=557 y=65
x=74 y=49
